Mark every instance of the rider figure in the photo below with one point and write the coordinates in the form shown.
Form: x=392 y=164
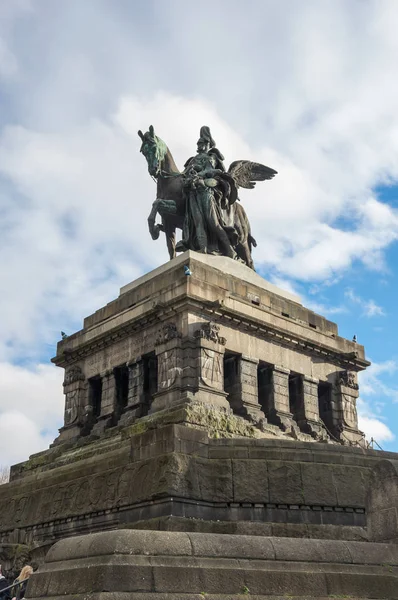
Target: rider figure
x=208 y=225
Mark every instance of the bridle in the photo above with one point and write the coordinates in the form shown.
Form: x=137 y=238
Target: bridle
x=159 y=171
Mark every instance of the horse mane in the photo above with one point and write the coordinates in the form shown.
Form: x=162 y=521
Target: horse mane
x=163 y=154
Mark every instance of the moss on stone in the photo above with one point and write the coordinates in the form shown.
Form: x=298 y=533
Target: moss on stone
x=219 y=423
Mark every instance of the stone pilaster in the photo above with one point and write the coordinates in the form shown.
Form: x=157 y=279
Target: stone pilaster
x=308 y=419
x=347 y=392
x=108 y=403
x=279 y=408
x=243 y=390
x=75 y=413
x=208 y=363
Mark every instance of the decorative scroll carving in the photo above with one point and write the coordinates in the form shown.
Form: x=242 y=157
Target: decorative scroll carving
x=73 y=374
x=209 y=331
x=166 y=333
x=348 y=379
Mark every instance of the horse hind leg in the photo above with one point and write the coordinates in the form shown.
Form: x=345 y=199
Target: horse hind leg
x=243 y=251
x=170 y=232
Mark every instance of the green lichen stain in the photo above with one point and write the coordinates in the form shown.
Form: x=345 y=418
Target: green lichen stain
x=218 y=423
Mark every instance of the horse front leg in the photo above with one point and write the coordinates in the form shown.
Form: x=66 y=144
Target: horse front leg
x=154 y=229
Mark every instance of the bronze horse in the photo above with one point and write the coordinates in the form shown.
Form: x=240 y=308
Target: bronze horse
x=170 y=200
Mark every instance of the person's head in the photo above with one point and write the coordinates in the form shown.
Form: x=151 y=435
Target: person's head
x=25 y=573
x=205 y=141
x=203 y=145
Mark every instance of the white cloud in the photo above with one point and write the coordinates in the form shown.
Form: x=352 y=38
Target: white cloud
x=374 y=393
x=31 y=409
x=372 y=383
x=376 y=429
x=369 y=307
x=8 y=62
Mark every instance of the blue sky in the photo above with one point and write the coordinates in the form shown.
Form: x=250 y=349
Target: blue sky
x=308 y=88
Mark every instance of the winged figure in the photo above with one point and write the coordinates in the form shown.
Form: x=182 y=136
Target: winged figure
x=246 y=173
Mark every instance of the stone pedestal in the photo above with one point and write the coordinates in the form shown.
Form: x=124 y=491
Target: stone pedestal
x=158 y=433
x=163 y=343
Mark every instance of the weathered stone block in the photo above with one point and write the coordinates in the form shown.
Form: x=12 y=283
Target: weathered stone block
x=318 y=485
x=250 y=481
x=285 y=482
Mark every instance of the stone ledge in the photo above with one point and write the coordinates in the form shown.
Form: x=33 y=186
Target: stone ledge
x=161 y=543
x=220 y=263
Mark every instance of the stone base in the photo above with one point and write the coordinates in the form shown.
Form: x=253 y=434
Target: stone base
x=209 y=469
x=150 y=565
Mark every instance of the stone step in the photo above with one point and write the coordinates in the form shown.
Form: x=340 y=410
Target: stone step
x=172 y=565
x=203 y=596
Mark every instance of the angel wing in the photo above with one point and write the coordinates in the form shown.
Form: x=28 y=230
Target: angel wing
x=245 y=173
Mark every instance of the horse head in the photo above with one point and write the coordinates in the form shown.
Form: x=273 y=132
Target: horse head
x=154 y=149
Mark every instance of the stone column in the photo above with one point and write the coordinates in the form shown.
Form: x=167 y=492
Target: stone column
x=279 y=412
x=108 y=403
x=75 y=414
x=308 y=420
x=347 y=392
x=243 y=395
x=136 y=395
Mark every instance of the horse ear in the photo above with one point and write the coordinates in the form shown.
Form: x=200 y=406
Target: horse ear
x=151 y=131
x=141 y=134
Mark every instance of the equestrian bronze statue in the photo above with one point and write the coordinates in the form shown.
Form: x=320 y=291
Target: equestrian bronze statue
x=202 y=200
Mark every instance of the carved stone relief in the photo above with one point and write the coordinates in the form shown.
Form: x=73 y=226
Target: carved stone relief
x=167 y=332
x=73 y=374
x=348 y=378
x=71 y=407
x=211 y=368
x=167 y=369
x=97 y=492
x=350 y=416
x=210 y=331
